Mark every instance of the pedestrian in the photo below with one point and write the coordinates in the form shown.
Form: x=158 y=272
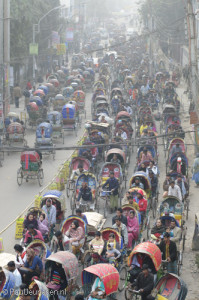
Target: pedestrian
x=113 y=184
x=17 y=94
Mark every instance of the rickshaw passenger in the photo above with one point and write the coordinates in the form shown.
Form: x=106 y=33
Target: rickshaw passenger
x=81 y=215
x=98 y=290
x=121 y=228
x=21 y=255
x=57 y=282
x=122 y=134
x=166 y=183
x=158 y=229
x=153 y=167
x=58 y=242
x=145 y=155
x=32 y=267
x=174 y=190
x=32 y=234
x=115 y=159
x=143 y=127
x=132 y=202
x=144 y=282
x=132 y=228
x=182 y=185
x=176 y=149
x=78 y=172
x=137 y=183
x=169 y=253
x=112 y=254
x=177 y=233
x=30 y=219
x=113 y=186
x=142 y=204
x=85 y=194
x=76 y=236
x=119 y=214
x=50 y=211
x=17 y=276
x=97 y=244
x=43 y=225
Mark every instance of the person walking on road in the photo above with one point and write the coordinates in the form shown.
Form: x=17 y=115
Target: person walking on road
x=195 y=170
x=17 y=94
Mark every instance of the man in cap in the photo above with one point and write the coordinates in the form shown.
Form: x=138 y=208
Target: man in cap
x=144 y=282
x=169 y=253
x=176 y=149
x=142 y=204
x=122 y=229
x=154 y=183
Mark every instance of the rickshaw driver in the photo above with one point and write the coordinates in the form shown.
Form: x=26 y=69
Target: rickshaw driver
x=85 y=195
x=144 y=283
x=78 y=172
x=113 y=185
x=154 y=183
x=176 y=149
x=142 y=204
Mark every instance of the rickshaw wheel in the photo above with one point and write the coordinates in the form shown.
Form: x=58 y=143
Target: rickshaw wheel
x=72 y=200
x=183 y=242
x=20 y=177
x=154 y=207
x=105 y=207
x=123 y=275
x=40 y=177
x=128 y=295
x=86 y=259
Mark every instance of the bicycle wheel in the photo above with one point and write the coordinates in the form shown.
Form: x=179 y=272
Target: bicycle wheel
x=19 y=177
x=154 y=207
x=123 y=275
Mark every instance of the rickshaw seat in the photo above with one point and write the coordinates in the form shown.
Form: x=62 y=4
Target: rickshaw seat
x=169 y=287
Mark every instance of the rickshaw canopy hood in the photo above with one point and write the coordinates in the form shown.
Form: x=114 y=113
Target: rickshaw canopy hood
x=149 y=249
x=68 y=261
x=106 y=272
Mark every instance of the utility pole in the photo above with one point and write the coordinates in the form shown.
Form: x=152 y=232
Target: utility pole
x=192 y=52
x=6 y=43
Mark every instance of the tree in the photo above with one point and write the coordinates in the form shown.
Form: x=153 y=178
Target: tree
x=25 y=13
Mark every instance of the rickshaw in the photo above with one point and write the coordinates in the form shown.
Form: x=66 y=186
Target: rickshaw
x=168 y=110
x=114 y=167
x=51 y=89
x=88 y=79
x=15 y=134
x=68 y=92
x=69 y=263
x=40 y=93
x=103 y=128
x=149 y=148
x=58 y=102
x=169 y=287
x=91 y=153
x=104 y=276
x=39 y=290
x=30 y=168
x=55 y=82
x=55 y=119
x=58 y=200
x=44 y=141
x=116 y=91
x=144 y=180
x=91 y=181
x=79 y=96
x=120 y=155
x=34 y=113
x=127 y=208
x=69 y=118
x=174 y=142
x=37 y=100
x=11 y=117
x=74 y=166
x=44 y=88
x=40 y=250
x=178 y=163
x=150 y=254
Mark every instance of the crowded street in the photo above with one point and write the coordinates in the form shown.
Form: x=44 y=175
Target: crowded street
x=99 y=160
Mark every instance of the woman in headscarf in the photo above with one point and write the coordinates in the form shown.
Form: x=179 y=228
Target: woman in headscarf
x=195 y=170
x=132 y=228
x=43 y=224
x=76 y=235
x=30 y=219
x=32 y=267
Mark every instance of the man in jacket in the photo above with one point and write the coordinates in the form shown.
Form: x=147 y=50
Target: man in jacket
x=154 y=183
x=169 y=253
x=166 y=183
x=121 y=228
x=17 y=94
x=85 y=194
x=113 y=186
x=119 y=214
x=144 y=282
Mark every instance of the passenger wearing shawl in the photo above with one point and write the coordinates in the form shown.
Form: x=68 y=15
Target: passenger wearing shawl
x=30 y=220
x=43 y=224
x=195 y=170
x=98 y=290
x=132 y=228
